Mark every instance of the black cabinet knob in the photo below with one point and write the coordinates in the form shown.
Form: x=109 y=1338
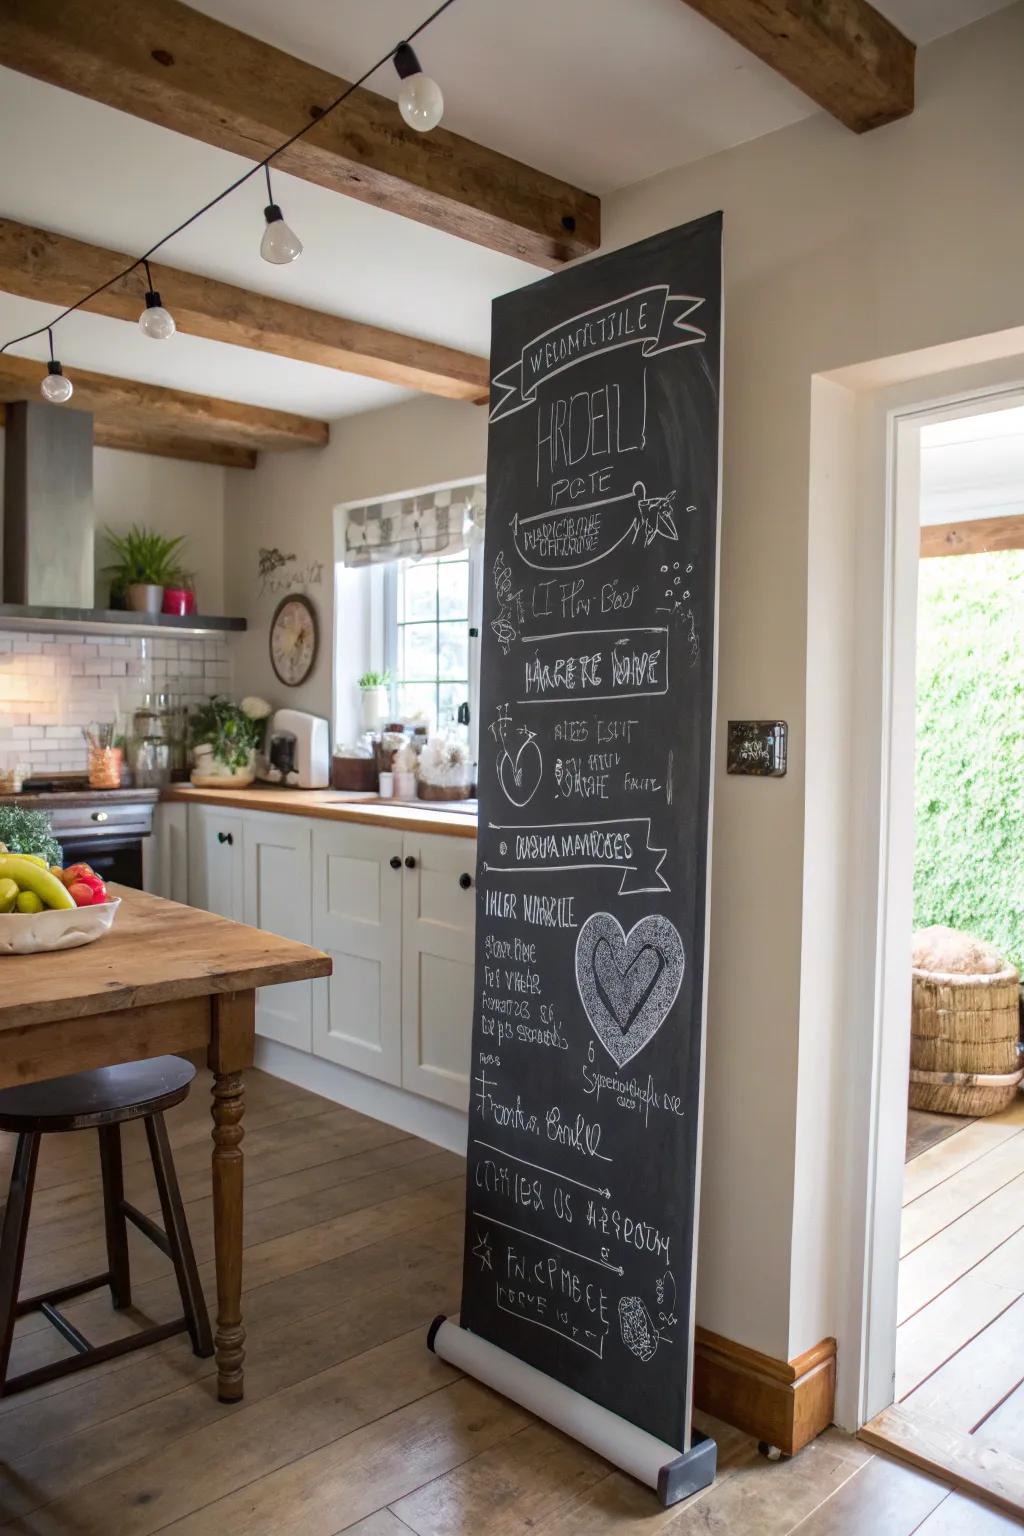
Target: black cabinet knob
x=396 y=862
x=410 y=862
x=225 y=837
x=465 y=881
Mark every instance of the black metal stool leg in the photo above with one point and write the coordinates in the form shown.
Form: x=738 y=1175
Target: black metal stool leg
x=114 y=1217
x=180 y=1243
x=12 y=1240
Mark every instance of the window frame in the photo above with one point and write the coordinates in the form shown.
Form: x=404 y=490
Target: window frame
x=390 y=624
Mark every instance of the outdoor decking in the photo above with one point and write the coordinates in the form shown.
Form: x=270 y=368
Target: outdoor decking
x=960 y=1340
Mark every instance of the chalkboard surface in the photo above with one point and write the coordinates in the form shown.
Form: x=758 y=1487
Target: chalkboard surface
x=597 y=674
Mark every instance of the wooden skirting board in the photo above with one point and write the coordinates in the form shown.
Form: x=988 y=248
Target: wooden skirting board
x=785 y=1403
x=966 y=1461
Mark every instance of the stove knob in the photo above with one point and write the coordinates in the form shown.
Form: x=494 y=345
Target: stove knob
x=100 y=816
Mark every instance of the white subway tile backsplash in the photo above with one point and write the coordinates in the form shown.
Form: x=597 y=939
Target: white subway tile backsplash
x=52 y=685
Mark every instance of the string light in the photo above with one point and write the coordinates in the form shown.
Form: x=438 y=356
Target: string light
x=420 y=103
x=155 y=321
x=280 y=243
x=420 y=99
x=55 y=387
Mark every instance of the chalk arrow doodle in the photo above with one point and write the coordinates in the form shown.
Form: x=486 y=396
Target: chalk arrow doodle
x=628 y=983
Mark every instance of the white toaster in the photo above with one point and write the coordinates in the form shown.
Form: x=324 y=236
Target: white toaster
x=297 y=751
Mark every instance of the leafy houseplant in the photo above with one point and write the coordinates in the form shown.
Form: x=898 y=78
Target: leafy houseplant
x=225 y=737
x=24 y=831
x=146 y=563
x=375 y=697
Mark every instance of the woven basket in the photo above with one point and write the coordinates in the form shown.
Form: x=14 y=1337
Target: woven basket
x=963 y=1093
x=965 y=1030
x=428 y=791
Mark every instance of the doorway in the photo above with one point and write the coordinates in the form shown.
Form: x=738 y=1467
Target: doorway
x=958 y=624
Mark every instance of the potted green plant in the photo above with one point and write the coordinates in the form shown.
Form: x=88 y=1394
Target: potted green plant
x=374 y=699
x=225 y=737
x=146 y=562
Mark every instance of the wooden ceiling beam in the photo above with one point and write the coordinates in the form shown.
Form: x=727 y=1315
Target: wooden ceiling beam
x=107 y=434
x=161 y=61
x=38 y=264
x=843 y=54
x=175 y=415
x=973 y=536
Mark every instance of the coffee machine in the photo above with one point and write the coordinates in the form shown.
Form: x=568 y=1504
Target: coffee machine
x=296 y=750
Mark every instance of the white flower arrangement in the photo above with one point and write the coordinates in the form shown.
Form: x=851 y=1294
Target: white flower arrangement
x=255 y=708
x=444 y=761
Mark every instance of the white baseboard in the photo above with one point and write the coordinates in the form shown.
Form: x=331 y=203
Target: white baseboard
x=436 y=1123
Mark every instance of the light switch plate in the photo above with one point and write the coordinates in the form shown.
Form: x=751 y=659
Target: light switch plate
x=757 y=747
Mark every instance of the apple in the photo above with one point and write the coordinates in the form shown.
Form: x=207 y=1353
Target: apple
x=83 y=895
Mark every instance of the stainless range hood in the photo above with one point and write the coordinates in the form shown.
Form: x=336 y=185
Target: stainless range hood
x=49 y=520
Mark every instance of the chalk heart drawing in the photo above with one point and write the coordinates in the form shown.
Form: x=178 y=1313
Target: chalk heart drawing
x=519 y=772
x=628 y=982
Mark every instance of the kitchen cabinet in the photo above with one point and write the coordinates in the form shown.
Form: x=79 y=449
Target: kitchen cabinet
x=357 y=918
x=165 y=853
x=215 y=860
x=437 y=966
x=276 y=867
x=395 y=911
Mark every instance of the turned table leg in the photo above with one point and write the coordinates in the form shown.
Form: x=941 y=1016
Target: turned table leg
x=232 y=1037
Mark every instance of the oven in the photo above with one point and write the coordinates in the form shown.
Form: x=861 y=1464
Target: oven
x=109 y=837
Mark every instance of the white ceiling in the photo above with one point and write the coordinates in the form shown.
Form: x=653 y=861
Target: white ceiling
x=600 y=92
x=973 y=466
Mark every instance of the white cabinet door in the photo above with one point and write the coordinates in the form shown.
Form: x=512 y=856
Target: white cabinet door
x=357 y=919
x=165 y=852
x=276 y=897
x=215 y=860
x=438 y=925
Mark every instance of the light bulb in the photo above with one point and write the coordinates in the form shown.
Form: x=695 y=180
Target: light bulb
x=280 y=243
x=421 y=102
x=420 y=99
x=155 y=321
x=55 y=387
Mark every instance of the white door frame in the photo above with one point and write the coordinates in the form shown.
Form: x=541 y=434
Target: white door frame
x=880 y=869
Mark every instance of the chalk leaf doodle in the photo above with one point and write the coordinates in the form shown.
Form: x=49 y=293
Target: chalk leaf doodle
x=638 y=1331
x=628 y=983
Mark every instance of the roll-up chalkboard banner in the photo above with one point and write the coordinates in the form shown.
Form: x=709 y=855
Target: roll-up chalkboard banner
x=596 y=741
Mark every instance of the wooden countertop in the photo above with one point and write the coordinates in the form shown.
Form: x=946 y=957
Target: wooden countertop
x=156 y=952
x=334 y=805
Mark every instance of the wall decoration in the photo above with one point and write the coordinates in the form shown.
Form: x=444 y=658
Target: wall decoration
x=278 y=573
x=597 y=683
x=294 y=639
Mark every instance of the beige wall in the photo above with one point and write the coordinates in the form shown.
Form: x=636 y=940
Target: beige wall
x=838 y=250
x=288 y=502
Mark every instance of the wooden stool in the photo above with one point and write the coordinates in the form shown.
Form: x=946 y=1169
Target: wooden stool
x=101 y=1099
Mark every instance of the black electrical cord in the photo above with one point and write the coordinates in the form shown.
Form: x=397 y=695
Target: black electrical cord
x=264 y=164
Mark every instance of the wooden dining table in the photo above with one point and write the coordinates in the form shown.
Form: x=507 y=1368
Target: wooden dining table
x=166 y=979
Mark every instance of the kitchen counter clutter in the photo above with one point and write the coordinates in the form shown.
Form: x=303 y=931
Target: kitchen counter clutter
x=334 y=804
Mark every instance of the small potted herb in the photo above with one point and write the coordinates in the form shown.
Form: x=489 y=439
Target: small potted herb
x=374 y=699
x=146 y=563
x=225 y=738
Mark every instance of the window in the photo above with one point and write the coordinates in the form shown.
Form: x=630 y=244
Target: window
x=429 y=607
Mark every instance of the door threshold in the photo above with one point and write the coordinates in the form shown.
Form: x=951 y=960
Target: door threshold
x=966 y=1461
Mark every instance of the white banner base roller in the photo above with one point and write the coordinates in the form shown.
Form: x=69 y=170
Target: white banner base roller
x=673 y=1474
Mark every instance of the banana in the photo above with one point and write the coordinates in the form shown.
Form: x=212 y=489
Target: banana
x=8 y=895
x=30 y=876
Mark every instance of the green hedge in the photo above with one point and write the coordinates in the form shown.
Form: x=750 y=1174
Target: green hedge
x=969 y=867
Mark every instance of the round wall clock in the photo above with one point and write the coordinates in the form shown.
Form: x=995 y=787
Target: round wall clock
x=293 y=639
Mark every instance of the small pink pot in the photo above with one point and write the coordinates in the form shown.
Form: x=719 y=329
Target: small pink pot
x=179 y=600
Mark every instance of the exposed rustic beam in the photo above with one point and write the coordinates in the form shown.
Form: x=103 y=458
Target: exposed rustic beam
x=108 y=434
x=974 y=536
x=844 y=54
x=173 y=414
x=159 y=60
x=38 y=264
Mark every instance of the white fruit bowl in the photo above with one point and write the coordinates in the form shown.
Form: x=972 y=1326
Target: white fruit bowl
x=35 y=933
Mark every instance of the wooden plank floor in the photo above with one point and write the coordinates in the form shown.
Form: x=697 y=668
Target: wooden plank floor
x=960 y=1339
x=353 y=1243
